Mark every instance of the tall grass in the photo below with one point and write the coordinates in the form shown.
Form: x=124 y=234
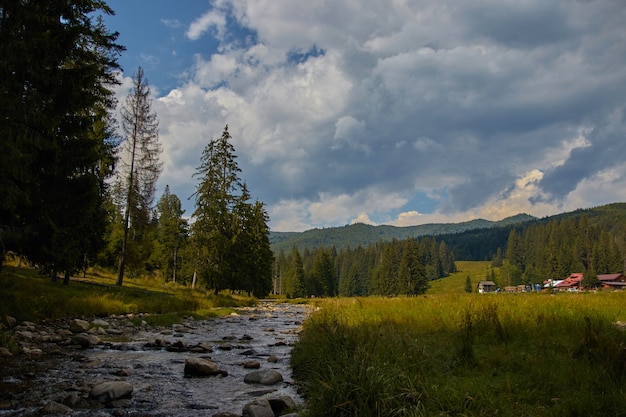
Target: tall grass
x=469 y=355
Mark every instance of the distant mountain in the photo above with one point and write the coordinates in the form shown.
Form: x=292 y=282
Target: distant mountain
x=364 y=234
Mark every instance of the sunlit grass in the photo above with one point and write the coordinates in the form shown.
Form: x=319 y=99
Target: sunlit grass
x=455 y=283
x=465 y=354
x=26 y=295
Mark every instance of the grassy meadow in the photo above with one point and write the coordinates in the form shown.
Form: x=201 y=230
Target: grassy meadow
x=26 y=295
x=449 y=353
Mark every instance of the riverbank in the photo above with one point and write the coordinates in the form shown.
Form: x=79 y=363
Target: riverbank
x=29 y=296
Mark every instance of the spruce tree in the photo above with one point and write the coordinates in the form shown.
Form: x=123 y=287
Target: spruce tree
x=171 y=234
x=57 y=67
x=229 y=232
x=140 y=165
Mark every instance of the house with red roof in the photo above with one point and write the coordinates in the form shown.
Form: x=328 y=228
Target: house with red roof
x=612 y=281
x=571 y=283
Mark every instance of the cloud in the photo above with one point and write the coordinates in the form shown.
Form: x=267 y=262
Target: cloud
x=172 y=23
x=211 y=19
x=488 y=108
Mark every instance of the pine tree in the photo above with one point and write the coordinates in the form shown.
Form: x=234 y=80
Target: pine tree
x=468 y=285
x=408 y=262
x=171 y=234
x=141 y=165
x=295 y=276
x=230 y=232
x=57 y=64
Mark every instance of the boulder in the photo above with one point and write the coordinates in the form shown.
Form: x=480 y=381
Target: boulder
x=100 y=323
x=110 y=391
x=282 y=405
x=263 y=377
x=258 y=408
x=202 y=367
x=79 y=326
x=85 y=340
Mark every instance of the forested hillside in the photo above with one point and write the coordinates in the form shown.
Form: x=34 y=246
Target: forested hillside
x=590 y=241
x=483 y=244
x=364 y=234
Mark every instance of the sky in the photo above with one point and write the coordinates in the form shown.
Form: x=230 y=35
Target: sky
x=398 y=112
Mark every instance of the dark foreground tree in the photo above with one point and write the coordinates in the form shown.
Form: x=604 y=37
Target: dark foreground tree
x=57 y=64
x=229 y=234
x=140 y=165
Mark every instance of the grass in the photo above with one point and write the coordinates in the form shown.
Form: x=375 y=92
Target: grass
x=455 y=283
x=452 y=353
x=26 y=295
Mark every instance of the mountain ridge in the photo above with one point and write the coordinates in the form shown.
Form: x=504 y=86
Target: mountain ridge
x=363 y=234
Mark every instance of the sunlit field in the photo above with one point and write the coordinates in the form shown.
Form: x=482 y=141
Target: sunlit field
x=452 y=353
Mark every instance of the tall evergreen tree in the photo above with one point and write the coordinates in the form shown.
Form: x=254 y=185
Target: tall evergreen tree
x=411 y=274
x=230 y=232
x=215 y=199
x=57 y=64
x=295 y=276
x=172 y=230
x=141 y=165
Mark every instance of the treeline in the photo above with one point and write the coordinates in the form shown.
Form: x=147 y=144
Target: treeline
x=483 y=244
x=78 y=190
x=399 y=267
x=558 y=248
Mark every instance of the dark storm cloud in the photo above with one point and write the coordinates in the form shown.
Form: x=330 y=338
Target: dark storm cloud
x=477 y=104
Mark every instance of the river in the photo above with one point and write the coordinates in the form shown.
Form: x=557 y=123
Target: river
x=264 y=334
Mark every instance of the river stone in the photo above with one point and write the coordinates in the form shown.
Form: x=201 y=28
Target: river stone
x=258 y=408
x=201 y=348
x=55 y=408
x=10 y=321
x=264 y=377
x=85 y=341
x=5 y=352
x=202 y=367
x=252 y=365
x=79 y=326
x=282 y=405
x=100 y=323
x=110 y=391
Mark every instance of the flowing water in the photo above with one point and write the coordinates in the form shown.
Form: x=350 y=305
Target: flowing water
x=264 y=334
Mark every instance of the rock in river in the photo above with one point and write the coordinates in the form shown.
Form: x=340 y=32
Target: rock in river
x=202 y=367
x=110 y=391
x=264 y=377
x=258 y=408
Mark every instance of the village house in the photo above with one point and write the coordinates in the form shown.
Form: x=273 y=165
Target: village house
x=612 y=281
x=571 y=283
x=574 y=282
x=486 y=286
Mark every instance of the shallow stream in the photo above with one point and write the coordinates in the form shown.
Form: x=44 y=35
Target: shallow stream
x=264 y=334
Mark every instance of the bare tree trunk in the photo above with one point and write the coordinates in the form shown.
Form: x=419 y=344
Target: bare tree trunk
x=174 y=266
